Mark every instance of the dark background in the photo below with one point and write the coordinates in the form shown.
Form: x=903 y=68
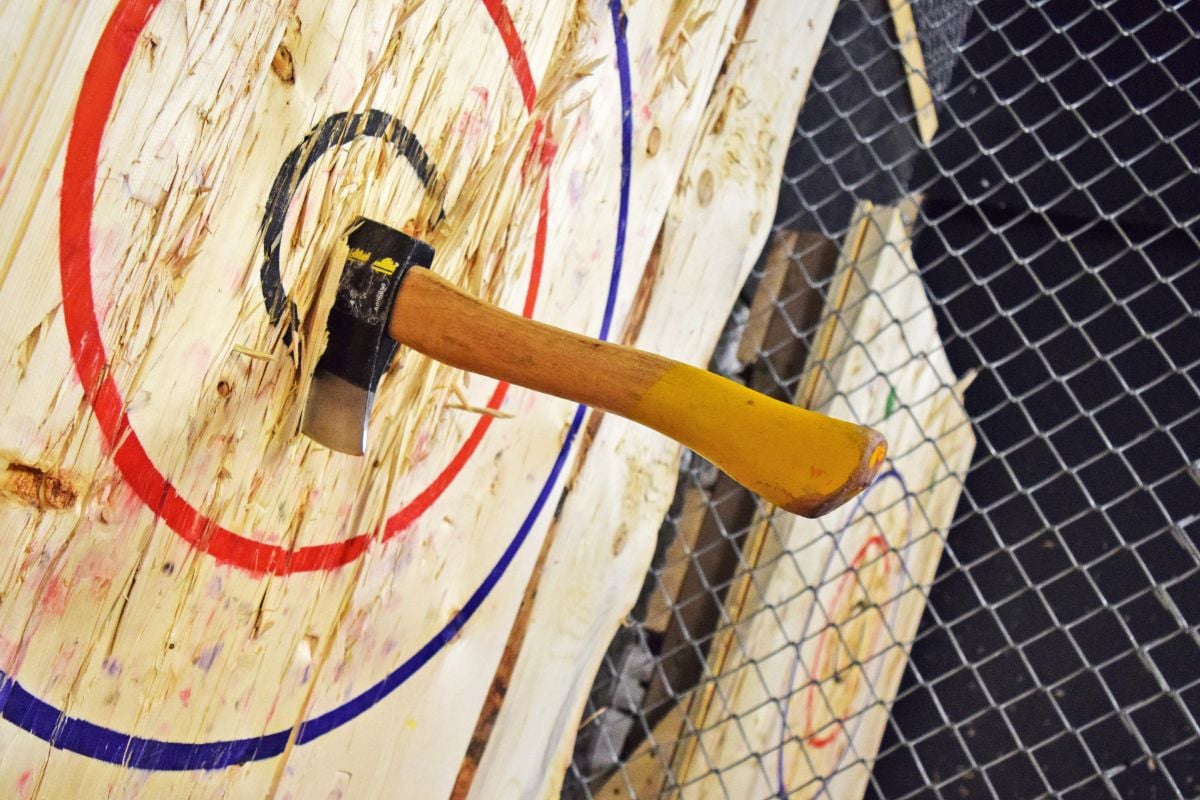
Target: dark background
x=1058 y=241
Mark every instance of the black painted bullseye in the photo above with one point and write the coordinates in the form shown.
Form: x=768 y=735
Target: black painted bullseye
x=334 y=131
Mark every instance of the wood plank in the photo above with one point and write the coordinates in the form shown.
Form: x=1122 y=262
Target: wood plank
x=715 y=229
x=780 y=257
x=820 y=645
x=919 y=88
x=192 y=584
x=676 y=561
x=803 y=300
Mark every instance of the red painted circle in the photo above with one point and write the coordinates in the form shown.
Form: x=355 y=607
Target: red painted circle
x=825 y=640
x=97 y=94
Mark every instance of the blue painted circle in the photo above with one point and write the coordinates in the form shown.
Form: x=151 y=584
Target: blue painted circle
x=47 y=722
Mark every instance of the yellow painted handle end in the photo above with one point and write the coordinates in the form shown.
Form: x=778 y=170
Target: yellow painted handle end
x=802 y=461
x=799 y=460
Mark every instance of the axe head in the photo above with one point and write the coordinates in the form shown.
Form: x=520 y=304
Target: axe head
x=359 y=349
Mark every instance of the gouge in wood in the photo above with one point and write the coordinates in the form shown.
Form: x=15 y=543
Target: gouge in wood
x=799 y=460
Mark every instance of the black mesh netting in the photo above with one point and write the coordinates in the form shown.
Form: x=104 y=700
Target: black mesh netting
x=1057 y=240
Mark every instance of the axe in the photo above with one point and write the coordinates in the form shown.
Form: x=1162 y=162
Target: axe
x=799 y=460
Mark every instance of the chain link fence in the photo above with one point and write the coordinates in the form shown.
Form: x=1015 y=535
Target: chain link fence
x=1056 y=238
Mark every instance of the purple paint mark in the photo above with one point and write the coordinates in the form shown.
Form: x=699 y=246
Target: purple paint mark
x=208 y=655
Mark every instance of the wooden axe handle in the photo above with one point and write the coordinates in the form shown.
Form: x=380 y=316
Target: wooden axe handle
x=799 y=460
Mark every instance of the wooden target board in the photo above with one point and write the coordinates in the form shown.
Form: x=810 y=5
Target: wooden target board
x=215 y=589
x=196 y=600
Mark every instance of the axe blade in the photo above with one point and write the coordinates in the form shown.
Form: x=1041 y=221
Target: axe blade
x=336 y=413
x=359 y=348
